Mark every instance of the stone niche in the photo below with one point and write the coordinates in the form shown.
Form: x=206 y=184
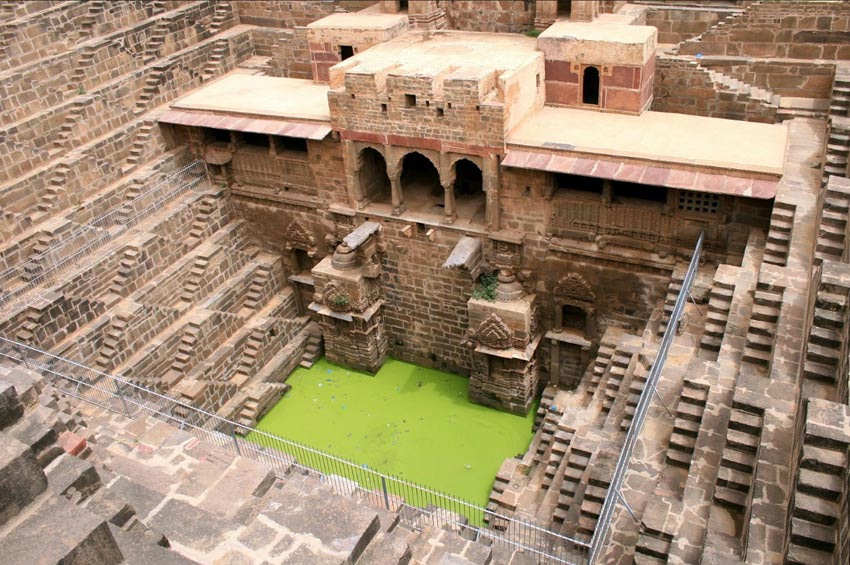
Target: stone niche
x=348 y=301
x=601 y=66
x=505 y=337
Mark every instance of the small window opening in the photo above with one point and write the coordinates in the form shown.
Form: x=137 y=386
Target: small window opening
x=256 y=139
x=440 y=113
x=427 y=103
x=590 y=185
x=478 y=108
x=303 y=262
x=698 y=202
x=409 y=100
x=345 y=51
x=449 y=106
x=527 y=191
x=402 y=5
x=590 y=86
x=273 y=332
x=537 y=80
x=296 y=144
x=629 y=192
x=573 y=318
x=383 y=107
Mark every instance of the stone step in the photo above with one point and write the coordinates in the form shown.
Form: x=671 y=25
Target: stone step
x=731 y=498
x=76 y=536
x=388 y=548
x=812 y=535
x=820 y=484
x=815 y=509
x=801 y=555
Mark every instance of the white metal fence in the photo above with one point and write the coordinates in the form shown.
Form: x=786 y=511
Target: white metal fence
x=84 y=239
x=417 y=505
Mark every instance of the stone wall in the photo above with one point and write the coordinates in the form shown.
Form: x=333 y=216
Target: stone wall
x=33 y=142
x=500 y=16
x=683 y=87
x=804 y=79
x=810 y=30
x=63 y=26
x=293 y=13
x=678 y=23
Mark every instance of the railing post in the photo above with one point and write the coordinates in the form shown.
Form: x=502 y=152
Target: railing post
x=123 y=400
x=235 y=441
x=22 y=353
x=386 y=496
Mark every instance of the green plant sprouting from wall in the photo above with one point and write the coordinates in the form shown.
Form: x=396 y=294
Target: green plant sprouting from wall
x=485 y=289
x=340 y=301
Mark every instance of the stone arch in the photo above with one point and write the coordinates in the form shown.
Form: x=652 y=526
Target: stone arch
x=301 y=243
x=421 y=186
x=467 y=182
x=372 y=175
x=575 y=304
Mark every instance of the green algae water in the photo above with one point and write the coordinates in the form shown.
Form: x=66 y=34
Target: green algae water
x=412 y=422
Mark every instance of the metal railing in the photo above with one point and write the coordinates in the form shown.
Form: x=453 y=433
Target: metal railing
x=614 y=494
x=418 y=506
x=84 y=239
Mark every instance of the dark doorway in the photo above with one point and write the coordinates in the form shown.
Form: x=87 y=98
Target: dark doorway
x=573 y=318
x=590 y=86
x=345 y=51
x=564 y=8
x=420 y=184
x=470 y=201
x=303 y=262
x=402 y=5
x=374 y=181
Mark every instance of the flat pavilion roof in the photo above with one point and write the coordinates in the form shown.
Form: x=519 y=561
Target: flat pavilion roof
x=430 y=53
x=660 y=137
x=261 y=97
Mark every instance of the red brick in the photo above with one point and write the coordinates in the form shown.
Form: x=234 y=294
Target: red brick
x=72 y=443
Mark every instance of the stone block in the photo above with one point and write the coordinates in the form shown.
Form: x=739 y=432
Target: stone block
x=11 y=407
x=68 y=473
x=34 y=432
x=21 y=477
x=110 y=506
x=344 y=530
x=75 y=536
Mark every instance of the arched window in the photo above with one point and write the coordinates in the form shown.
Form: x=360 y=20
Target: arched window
x=470 y=201
x=420 y=184
x=374 y=182
x=590 y=86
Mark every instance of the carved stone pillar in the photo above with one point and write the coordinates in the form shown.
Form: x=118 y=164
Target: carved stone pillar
x=348 y=301
x=449 y=206
x=491 y=189
x=395 y=181
x=505 y=338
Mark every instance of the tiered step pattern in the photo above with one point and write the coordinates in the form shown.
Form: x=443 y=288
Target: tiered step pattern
x=717 y=315
x=673 y=290
x=689 y=411
x=574 y=472
x=832 y=229
x=824 y=349
x=779 y=234
x=815 y=513
x=762 y=329
x=738 y=461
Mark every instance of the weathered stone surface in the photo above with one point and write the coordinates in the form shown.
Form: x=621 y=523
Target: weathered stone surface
x=73 y=536
x=21 y=477
x=11 y=408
